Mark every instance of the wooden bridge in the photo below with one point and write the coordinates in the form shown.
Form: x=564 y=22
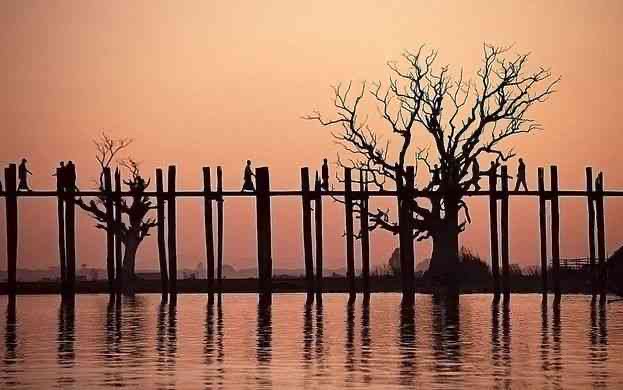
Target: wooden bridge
x=312 y=240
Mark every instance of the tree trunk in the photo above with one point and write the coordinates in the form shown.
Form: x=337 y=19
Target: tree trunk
x=444 y=265
x=129 y=263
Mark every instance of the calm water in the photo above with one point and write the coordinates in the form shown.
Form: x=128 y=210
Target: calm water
x=98 y=343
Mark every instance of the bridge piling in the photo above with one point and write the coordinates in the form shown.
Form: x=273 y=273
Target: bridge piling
x=555 y=226
x=60 y=210
x=350 y=244
x=493 y=229
x=365 y=233
x=208 y=227
x=219 y=228
x=307 y=233
x=12 y=220
x=543 y=229
x=591 y=228
x=160 y=227
x=172 y=232
x=264 y=234
x=601 y=234
x=110 y=234
x=504 y=237
x=319 y=244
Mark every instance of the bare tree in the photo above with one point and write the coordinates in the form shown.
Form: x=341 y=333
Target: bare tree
x=443 y=125
x=135 y=224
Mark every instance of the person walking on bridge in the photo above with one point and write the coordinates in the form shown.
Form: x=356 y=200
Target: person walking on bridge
x=248 y=178
x=22 y=174
x=521 y=176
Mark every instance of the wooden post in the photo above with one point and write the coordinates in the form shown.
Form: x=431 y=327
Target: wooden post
x=407 y=254
x=110 y=234
x=219 y=227
x=591 y=228
x=264 y=239
x=493 y=229
x=118 y=250
x=172 y=230
x=601 y=234
x=162 y=248
x=319 y=248
x=350 y=244
x=307 y=233
x=365 y=233
x=543 y=228
x=208 y=227
x=504 y=233
x=10 y=180
x=555 y=211
x=70 y=238
x=60 y=208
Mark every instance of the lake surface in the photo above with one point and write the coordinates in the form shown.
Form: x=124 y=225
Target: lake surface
x=237 y=343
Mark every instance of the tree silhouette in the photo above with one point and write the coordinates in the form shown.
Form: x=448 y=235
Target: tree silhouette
x=134 y=224
x=437 y=119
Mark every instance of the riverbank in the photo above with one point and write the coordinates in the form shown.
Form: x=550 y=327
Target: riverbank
x=524 y=284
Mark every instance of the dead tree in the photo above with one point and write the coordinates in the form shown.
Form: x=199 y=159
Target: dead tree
x=135 y=223
x=442 y=125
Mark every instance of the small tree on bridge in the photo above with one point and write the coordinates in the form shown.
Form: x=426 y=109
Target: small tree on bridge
x=135 y=223
x=437 y=119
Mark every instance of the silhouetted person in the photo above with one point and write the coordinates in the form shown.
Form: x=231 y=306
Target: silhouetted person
x=22 y=174
x=61 y=174
x=325 y=175
x=248 y=178
x=70 y=177
x=521 y=176
x=476 y=174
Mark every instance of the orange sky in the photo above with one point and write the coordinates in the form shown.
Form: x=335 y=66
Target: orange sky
x=214 y=83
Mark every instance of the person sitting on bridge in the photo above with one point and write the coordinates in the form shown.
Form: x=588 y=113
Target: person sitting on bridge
x=23 y=173
x=248 y=178
x=60 y=175
x=521 y=176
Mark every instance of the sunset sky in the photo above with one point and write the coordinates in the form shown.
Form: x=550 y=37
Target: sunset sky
x=203 y=83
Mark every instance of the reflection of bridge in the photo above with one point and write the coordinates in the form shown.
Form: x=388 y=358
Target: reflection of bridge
x=354 y=200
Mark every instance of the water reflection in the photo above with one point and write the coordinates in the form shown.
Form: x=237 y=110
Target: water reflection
x=101 y=342
x=366 y=339
x=406 y=343
x=10 y=335
x=65 y=340
x=598 y=343
x=446 y=333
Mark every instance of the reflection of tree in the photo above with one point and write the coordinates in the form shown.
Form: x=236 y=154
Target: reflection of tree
x=407 y=344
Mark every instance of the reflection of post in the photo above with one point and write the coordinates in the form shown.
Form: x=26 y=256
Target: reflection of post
x=264 y=240
x=208 y=227
x=264 y=333
x=543 y=229
x=349 y=345
x=555 y=229
x=219 y=226
x=350 y=244
x=493 y=228
x=504 y=234
x=307 y=234
x=66 y=334
x=10 y=338
x=406 y=343
x=591 y=227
